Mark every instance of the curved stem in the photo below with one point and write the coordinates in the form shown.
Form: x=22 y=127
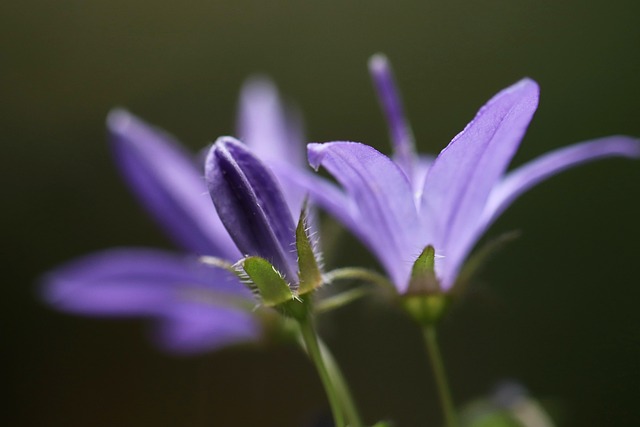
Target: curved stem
x=354 y=273
x=313 y=349
x=340 y=299
x=346 y=399
x=435 y=357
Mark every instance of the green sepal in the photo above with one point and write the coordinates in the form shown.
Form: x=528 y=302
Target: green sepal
x=309 y=272
x=423 y=277
x=424 y=299
x=383 y=424
x=272 y=287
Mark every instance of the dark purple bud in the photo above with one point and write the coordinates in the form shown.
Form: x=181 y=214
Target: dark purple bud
x=251 y=205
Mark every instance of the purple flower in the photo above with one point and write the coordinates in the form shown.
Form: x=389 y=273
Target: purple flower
x=196 y=307
x=251 y=206
x=254 y=210
x=398 y=207
x=273 y=132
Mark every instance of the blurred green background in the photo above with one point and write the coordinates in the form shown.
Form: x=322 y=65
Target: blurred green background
x=557 y=310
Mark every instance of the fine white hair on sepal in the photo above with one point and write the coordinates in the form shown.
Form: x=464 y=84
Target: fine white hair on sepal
x=244 y=278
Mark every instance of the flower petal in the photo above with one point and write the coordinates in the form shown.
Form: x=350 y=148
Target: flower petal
x=381 y=203
x=271 y=132
x=197 y=307
x=322 y=191
x=462 y=176
x=251 y=205
x=389 y=97
x=193 y=328
x=166 y=180
x=523 y=178
x=137 y=282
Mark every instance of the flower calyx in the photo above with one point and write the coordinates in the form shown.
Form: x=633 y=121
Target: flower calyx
x=424 y=300
x=271 y=285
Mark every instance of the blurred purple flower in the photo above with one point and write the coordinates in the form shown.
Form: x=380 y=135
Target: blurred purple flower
x=197 y=307
x=274 y=133
x=398 y=207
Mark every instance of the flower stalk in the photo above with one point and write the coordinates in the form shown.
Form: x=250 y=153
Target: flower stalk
x=310 y=338
x=437 y=366
x=341 y=387
x=356 y=273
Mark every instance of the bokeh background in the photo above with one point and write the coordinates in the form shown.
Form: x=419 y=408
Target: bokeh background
x=557 y=310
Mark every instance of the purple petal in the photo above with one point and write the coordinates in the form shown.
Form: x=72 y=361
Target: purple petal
x=251 y=205
x=166 y=180
x=136 y=282
x=389 y=97
x=320 y=190
x=462 y=176
x=520 y=180
x=382 y=208
x=272 y=133
x=196 y=306
x=193 y=328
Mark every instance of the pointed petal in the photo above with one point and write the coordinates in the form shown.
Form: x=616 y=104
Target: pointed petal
x=389 y=97
x=169 y=185
x=135 y=282
x=251 y=205
x=462 y=176
x=194 y=328
x=520 y=180
x=271 y=132
x=195 y=305
x=381 y=202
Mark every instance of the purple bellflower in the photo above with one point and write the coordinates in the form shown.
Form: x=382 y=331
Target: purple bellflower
x=197 y=307
x=398 y=207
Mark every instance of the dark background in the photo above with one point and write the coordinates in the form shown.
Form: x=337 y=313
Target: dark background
x=557 y=310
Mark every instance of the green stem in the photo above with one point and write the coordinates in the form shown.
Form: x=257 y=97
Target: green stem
x=354 y=273
x=435 y=357
x=313 y=349
x=341 y=387
x=340 y=299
